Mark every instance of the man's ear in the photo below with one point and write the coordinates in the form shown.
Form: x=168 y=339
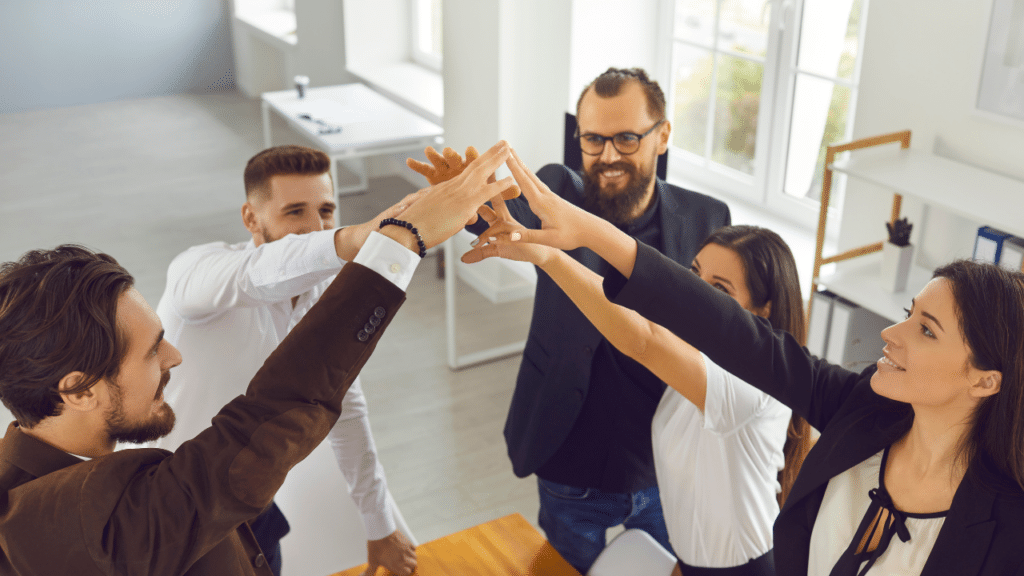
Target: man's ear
x=83 y=401
x=249 y=218
x=988 y=382
x=664 y=131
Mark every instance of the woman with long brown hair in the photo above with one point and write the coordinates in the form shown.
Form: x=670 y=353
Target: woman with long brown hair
x=719 y=444
x=919 y=468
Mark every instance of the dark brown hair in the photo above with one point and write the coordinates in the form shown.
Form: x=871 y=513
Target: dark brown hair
x=612 y=80
x=990 y=309
x=280 y=161
x=772 y=277
x=58 y=313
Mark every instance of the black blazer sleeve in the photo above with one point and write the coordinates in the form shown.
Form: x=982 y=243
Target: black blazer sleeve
x=740 y=342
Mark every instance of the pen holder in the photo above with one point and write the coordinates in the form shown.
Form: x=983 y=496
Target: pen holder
x=301 y=82
x=895 y=270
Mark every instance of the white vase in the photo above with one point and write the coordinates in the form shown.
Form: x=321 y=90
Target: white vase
x=895 y=266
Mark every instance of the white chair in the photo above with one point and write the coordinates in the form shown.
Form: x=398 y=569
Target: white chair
x=633 y=552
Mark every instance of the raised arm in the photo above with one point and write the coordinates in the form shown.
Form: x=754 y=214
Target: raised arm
x=666 y=293
x=675 y=362
x=740 y=342
x=563 y=225
x=210 y=278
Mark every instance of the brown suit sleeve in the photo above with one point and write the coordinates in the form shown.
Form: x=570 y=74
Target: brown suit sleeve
x=158 y=515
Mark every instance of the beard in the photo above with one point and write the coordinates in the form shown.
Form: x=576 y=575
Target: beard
x=618 y=207
x=267 y=238
x=154 y=427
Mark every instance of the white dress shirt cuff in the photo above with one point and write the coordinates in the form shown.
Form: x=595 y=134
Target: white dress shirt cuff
x=389 y=259
x=322 y=242
x=381 y=523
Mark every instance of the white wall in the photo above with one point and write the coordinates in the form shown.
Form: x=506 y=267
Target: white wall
x=920 y=71
x=371 y=34
x=614 y=33
x=512 y=68
x=506 y=75
x=56 y=53
x=321 y=51
x=471 y=73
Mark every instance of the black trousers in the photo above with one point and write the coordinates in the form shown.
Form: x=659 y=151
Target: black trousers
x=268 y=528
x=762 y=566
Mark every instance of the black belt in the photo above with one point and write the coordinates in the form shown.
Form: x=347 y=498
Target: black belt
x=761 y=566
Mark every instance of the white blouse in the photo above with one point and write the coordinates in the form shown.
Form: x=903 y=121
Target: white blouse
x=842 y=511
x=717 y=470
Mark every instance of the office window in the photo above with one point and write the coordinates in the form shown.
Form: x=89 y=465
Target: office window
x=759 y=88
x=426 y=33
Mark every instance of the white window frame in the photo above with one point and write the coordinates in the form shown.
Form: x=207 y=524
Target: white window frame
x=763 y=188
x=425 y=59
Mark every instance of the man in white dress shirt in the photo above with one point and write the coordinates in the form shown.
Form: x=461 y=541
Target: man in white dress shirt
x=226 y=307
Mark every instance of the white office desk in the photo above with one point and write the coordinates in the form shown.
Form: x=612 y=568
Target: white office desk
x=370 y=123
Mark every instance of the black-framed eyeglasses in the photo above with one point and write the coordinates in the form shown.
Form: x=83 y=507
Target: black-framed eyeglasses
x=624 y=142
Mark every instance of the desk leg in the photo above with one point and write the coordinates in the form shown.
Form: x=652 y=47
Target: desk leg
x=455 y=361
x=266 y=124
x=358 y=167
x=449 y=301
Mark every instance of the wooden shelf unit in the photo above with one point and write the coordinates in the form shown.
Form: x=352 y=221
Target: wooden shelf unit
x=973 y=193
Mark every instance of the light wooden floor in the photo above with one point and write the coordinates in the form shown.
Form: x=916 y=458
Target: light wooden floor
x=145 y=179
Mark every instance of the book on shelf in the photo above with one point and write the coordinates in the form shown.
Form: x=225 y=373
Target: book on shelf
x=988 y=244
x=1012 y=255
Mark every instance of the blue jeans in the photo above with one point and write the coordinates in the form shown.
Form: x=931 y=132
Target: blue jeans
x=575 y=519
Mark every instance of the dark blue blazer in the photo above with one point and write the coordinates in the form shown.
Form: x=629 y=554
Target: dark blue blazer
x=983 y=532
x=554 y=376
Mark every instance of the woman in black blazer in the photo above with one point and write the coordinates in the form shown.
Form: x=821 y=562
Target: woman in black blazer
x=920 y=465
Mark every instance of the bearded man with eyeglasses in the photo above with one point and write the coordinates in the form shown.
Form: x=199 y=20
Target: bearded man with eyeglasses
x=581 y=413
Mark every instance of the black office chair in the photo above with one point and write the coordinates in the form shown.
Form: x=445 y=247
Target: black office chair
x=572 y=156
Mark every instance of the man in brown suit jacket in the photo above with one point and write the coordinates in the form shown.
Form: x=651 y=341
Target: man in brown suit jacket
x=83 y=364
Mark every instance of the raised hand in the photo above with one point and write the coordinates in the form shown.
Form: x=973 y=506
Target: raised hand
x=350 y=239
x=447 y=165
x=442 y=167
x=497 y=240
x=563 y=225
x=443 y=209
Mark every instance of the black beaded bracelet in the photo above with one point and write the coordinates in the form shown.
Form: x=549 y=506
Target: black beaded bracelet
x=408 y=226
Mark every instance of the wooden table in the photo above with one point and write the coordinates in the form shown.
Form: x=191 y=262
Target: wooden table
x=505 y=546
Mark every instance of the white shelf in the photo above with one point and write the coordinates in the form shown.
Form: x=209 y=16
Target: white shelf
x=857 y=281
x=976 y=194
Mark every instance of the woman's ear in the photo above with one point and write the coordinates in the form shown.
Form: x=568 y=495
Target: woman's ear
x=764 y=311
x=987 y=383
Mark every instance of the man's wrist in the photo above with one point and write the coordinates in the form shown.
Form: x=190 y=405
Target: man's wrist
x=389 y=258
x=345 y=243
x=401 y=235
